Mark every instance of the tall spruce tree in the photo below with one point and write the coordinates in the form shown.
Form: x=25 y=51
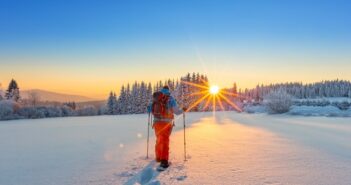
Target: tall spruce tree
x=111 y=103
x=115 y=104
x=12 y=92
x=1 y=98
x=122 y=101
x=235 y=88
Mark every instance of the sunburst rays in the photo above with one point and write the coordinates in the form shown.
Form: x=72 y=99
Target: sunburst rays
x=208 y=95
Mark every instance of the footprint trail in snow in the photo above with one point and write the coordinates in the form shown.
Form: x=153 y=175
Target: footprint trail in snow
x=148 y=174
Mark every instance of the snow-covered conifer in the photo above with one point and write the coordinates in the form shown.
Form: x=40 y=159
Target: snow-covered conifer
x=122 y=101
x=7 y=109
x=12 y=92
x=111 y=104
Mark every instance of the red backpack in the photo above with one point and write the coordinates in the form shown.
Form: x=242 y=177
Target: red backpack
x=159 y=108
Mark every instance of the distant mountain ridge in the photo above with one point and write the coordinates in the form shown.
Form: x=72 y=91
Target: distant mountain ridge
x=54 y=96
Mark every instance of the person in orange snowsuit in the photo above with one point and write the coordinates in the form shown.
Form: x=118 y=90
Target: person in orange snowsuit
x=163 y=123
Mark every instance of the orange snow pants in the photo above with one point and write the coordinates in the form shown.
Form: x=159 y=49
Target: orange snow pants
x=163 y=132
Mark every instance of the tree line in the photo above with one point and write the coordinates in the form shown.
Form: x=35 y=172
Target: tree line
x=324 y=89
x=187 y=90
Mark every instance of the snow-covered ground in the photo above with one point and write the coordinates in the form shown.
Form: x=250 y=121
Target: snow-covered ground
x=228 y=148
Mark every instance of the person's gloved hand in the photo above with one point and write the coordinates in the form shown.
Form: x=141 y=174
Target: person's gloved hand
x=149 y=109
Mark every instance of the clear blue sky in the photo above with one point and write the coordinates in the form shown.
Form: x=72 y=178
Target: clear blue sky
x=75 y=44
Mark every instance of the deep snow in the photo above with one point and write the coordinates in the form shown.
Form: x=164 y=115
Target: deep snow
x=228 y=148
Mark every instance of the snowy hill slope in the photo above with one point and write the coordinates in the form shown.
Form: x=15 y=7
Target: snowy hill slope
x=53 y=96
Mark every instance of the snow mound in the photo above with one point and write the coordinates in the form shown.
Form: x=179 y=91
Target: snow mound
x=330 y=111
x=255 y=109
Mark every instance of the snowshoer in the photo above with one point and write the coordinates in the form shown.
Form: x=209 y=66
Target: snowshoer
x=163 y=107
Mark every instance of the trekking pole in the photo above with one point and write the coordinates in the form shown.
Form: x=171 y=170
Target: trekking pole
x=148 y=135
x=184 y=137
x=183 y=102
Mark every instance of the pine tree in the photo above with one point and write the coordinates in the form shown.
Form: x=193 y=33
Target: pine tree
x=193 y=78
x=235 y=88
x=257 y=93
x=122 y=101
x=13 y=93
x=149 y=91
x=111 y=104
x=71 y=105
x=187 y=100
x=128 y=100
x=115 y=103
x=198 y=78
x=173 y=85
x=144 y=98
x=1 y=98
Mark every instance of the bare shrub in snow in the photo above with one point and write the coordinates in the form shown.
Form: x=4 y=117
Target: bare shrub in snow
x=278 y=102
x=33 y=98
x=87 y=111
x=31 y=113
x=42 y=112
x=67 y=111
x=54 y=112
x=342 y=105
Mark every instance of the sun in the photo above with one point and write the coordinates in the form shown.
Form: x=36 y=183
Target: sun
x=214 y=89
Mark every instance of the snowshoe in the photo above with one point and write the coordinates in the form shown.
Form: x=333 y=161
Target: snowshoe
x=163 y=166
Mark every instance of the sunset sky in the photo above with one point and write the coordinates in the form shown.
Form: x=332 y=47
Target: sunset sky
x=91 y=47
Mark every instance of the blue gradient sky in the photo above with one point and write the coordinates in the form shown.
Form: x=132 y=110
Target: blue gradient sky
x=91 y=47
